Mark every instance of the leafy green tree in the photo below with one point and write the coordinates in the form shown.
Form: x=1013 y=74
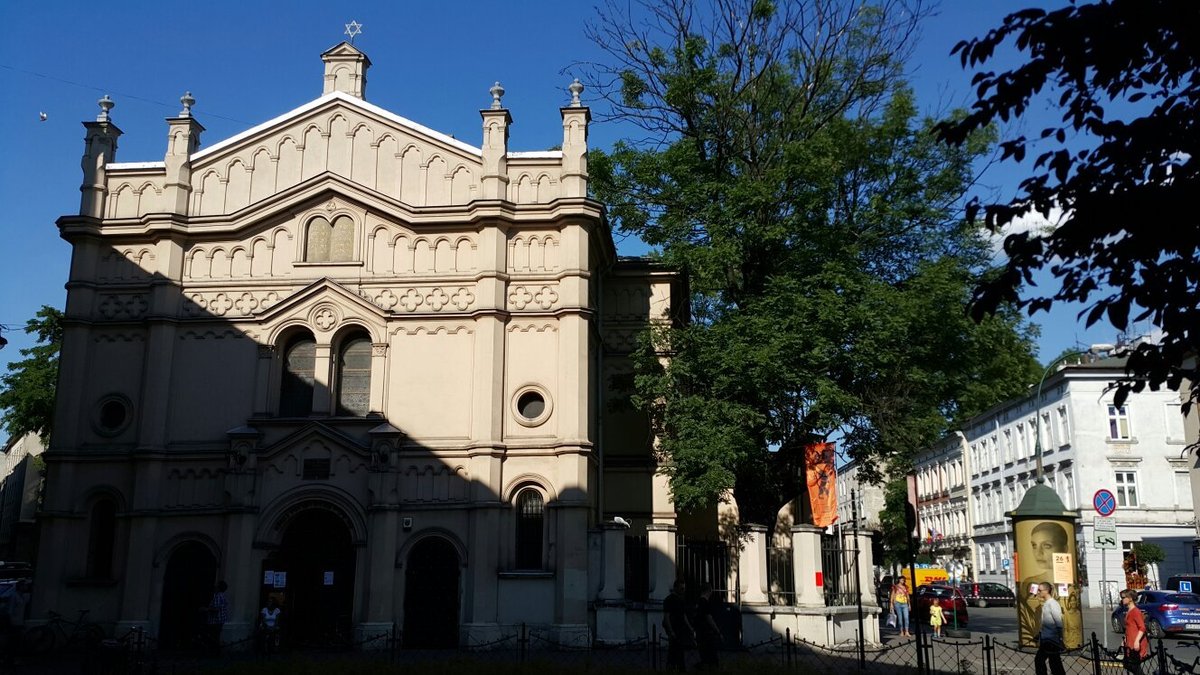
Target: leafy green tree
x=1121 y=166
x=27 y=397
x=896 y=537
x=786 y=172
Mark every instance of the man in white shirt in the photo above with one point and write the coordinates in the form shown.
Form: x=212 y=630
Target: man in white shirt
x=1050 y=638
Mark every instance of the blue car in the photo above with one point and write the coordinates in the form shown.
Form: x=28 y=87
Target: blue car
x=1166 y=612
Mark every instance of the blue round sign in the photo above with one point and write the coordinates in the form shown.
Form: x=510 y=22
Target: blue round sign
x=1104 y=502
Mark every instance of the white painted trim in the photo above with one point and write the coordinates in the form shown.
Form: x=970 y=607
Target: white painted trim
x=353 y=102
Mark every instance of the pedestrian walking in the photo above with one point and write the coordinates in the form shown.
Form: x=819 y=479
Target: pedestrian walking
x=936 y=619
x=14 y=603
x=1137 y=646
x=708 y=634
x=1050 y=637
x=680 y=635
x=218 y=615
x=900 y=599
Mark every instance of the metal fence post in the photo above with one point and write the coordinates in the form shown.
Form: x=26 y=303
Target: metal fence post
x=989 y=655
x=1162 y=658
x=1095 y=654
x=787 y=646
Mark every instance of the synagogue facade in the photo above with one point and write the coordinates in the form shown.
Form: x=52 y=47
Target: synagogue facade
x=359 y=365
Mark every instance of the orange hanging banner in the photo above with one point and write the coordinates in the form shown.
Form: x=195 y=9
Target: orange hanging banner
x=821 y=475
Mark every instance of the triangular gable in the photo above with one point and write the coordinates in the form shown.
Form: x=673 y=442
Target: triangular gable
x=321 y=289
x=312 y=430
x=318 y=189
x=335 y=98
x=344 y=48
x=342 y=135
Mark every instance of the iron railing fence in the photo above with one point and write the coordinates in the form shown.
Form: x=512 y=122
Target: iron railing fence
x=708 y=561
x=137 y=652
x=637 y=568
x=781 y=577
x=840 y=582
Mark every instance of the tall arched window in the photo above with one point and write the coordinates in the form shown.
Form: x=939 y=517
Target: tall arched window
x=341 y=245
x=530 y=526
x=316 y=244
x=296 y=385
x=354 y=377
x=102 y=530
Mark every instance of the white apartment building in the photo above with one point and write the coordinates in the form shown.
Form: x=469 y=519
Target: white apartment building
x=869 y=497
x=943 y=513
x=1088 y=443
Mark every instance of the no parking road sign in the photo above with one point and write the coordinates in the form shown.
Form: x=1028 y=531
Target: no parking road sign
x=1104 y=502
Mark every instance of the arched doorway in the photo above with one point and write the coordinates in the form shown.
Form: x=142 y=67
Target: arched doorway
x=187 y=586
x=431 y=595
x=313 y=578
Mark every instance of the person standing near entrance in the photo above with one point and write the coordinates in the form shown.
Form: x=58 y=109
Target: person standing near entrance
x=680 y=634
x=1050 y=638
x=218 y=614
x=268 y=625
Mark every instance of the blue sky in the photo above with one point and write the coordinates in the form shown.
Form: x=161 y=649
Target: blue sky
x=246 y=62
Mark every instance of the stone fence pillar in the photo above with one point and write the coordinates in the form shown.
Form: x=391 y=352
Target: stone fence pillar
x=806 y=561
x=610 y=605
x=660 y=539
x=752 y=565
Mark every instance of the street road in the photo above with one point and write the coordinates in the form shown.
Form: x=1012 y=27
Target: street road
x=1001 y=624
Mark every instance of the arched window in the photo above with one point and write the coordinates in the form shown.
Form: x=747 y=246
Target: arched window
x=316 y=244
x=530 y=519
x=354 y=377
x=327 y=242
x=296 y=386
x=102 y=530
x=341 y=246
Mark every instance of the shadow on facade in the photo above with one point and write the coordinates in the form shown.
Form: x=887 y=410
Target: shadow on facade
x=221 y=435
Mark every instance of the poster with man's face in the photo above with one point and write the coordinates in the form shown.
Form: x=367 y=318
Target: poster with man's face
x=1046 y=549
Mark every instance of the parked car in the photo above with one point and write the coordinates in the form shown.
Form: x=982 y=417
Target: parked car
x=1187 y=583
x=954 y=604
x=1166 y=612
x=883 y=590
x=983 y=594
x=15 y=570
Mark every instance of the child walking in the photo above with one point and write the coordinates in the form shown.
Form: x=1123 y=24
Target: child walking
x=936 y=618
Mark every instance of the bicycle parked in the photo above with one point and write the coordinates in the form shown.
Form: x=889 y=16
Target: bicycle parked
x=61 y=633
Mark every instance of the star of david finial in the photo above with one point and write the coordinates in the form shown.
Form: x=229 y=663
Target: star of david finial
x=352 y=29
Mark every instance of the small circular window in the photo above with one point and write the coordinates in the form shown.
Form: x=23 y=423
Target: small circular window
x=532 y=405
x=112 y=415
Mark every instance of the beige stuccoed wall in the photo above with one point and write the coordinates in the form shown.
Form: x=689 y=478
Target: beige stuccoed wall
x=188 y=278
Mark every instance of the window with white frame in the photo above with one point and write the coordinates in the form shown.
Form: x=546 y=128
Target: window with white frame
x=1127 y=488
x=1173 y=421
x=1070 y=500
x=1064 y=427
x=1047 y=431
x=1008 y=449
x=1118 y=423
x=1020 y=451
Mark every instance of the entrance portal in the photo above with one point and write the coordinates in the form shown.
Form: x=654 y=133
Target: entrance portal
x=187 y=586
x=312 y=576
x=431 y=595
